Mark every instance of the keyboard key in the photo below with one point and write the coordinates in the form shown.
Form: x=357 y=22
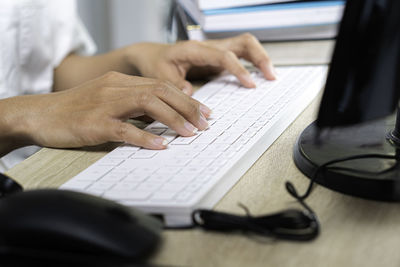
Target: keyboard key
x=191 y=171
x=197 y=147
x=201 y=162
x=172 y=187
x=211 y=154
x=126 y=167
x=219 y=162
x=181 y=178
x=159 y=178
x=230 y=153
x=148 y=187
x=176 y=162
x=217 y=147
x=203 y=178
x=185 y=140
x=125 y=186
x=94 y=173
x=211 y=169
x=120 y=154
x=112 y=177
x=145 y=169
x=156 y=131
x=128 y=147
x=167 y=170
x=135 y=178
x=107 y=161
x=101 y=186
x=144 y=154
x=194 y=187
x=228 y=137
x=157 y=125
x=186 y=154
x=169 y=135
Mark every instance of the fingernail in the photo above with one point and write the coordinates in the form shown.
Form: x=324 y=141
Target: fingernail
x=203 y=122
x=205 y=110
x=248 y=80
x=190 y=127
x=159 y=141
x=268 y=69
x=274 y=71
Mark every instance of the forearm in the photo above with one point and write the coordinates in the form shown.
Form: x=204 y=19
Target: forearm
x=12 y=125
x=76 y=69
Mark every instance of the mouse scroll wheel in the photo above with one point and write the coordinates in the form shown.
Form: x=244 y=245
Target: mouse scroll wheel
x=121 y=214
x=8 y=186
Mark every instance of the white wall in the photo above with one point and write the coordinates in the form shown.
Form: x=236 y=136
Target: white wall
x=94 y=14
x=116 y=23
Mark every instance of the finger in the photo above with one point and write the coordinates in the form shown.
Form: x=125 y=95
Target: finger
x=248 y=47
x=187 y=87
x=141 y=100
x=121 y=101
x=189 y=107
x=126 y=132
x=162 y=112
x=209 y=55
x=177 y=77
x=251 y=50
x=150 y=104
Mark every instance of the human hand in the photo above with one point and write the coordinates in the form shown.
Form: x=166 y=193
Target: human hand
x=96 y=112
x=191 y=58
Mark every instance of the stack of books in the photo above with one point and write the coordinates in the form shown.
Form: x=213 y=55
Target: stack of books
x=268 y=20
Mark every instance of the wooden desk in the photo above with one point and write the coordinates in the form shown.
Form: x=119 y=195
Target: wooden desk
x=355 y=232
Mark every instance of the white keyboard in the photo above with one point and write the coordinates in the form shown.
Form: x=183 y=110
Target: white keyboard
x=196 y=172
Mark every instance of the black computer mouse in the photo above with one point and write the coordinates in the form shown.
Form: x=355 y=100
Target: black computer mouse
x=67 y=226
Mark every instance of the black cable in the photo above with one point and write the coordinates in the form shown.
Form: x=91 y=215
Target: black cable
x=292 y=191
x=292 y=224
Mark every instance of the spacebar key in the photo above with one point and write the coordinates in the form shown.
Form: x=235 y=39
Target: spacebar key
x=127 y=195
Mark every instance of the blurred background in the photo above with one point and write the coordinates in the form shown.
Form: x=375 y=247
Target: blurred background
x=116 y=23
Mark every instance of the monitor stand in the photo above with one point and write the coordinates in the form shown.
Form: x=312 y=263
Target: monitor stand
x=372 y=178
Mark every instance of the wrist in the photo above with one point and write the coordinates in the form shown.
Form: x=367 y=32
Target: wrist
x=141 y=57
x=128 y=57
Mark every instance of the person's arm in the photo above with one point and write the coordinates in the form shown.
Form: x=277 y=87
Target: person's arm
x=76 y=69
x=12 y=134
x=172 y=63
x=96 y=112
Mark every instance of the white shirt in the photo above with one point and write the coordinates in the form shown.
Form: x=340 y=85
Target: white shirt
x=35 y=37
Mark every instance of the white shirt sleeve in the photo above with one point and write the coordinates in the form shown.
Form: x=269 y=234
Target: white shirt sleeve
x=35 y=37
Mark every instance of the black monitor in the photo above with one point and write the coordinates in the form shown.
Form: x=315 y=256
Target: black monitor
x=361 y=92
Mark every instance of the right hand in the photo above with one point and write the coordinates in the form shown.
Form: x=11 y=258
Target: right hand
x=96 y=112
x=176 y=62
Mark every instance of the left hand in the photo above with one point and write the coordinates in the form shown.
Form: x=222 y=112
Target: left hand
x=183 y=60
